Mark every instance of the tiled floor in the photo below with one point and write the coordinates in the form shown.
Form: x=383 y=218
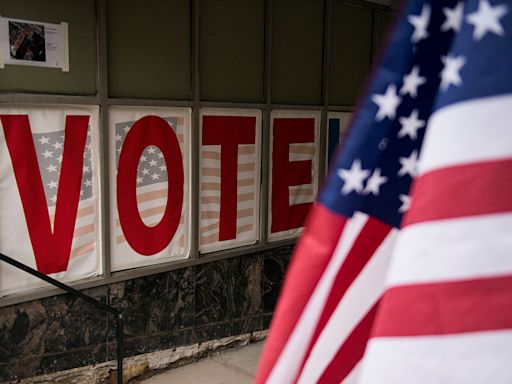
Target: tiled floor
x=237 y=366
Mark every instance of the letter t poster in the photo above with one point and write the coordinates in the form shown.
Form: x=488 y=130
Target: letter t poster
x=149 y=185
x=294 y=166
x=230 y=178
x=49 y=194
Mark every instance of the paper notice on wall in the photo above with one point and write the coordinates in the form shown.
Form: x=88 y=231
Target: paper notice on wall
x=34 y=43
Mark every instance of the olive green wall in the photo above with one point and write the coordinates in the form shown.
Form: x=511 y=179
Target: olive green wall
x=150 y=43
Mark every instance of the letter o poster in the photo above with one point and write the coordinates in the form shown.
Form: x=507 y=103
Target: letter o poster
x=149 y=185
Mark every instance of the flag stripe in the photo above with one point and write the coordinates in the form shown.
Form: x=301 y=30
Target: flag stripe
x=151 y=195
x=482 y=357
x=453 y=249
x=351 y=351
x=446 y=308
x=363 y=249
x=490 y=192
x=82 y=250
x=473 y=126
x=364 y=292
x=216 y=214
x=311 y=258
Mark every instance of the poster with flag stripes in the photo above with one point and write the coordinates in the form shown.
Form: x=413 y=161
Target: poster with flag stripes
x=149 y=185
x=229 y=178
x=49 y=193
x=294 y=148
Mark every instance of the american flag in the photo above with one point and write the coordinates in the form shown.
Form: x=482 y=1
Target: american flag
x=152 y=182
x=49 y=149
x=434 y=297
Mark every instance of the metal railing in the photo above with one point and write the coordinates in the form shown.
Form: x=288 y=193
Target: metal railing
x=98 y=304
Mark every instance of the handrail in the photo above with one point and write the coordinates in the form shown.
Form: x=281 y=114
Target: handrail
x=90 y=300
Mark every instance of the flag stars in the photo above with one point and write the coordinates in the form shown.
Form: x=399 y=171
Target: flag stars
x=52 y=184
x=453 y=18
x=57 y=145
x=44 y=140
x=139 y=180
x=410 y=125
x=153 y=163
x=406 y=203
x=487 y=19
x=59 y=158
x=143 y=158
x=353 y=178
x=450 y=75
x=163 y=168
x=387 y=103
x=86 y=169
x=51 y=168
x=47 y=154
x=145 y=171
x=151 y=150
x=126 y=129
x=374 y=183
x=155 y=176
x=420 y=23
x=53 y=199
x=412 y=81
x=119 y=137
x=409 y=164
x=160 y=155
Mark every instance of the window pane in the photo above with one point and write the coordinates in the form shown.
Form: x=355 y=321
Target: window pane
x=351 y=37
x=149 y=48
x=231 y=45
x=297 y=51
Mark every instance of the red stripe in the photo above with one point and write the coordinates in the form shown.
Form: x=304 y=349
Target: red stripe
x=446 y=308
x=351 y=352
x=370 y=238
x=311 y=257
x=466 y=190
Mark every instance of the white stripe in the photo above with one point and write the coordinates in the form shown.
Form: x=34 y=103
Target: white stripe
x=467 y=132
x=291 y=357
x=469 y=358
x=297 y=156
x=210 y=179
x=362 y=294
x=462 y=248
x=353 y=376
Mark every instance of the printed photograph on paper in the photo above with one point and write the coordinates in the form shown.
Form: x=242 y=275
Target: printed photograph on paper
x=27 y=41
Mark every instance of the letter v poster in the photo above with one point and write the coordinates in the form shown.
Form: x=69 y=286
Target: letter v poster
x=149 y=185
x=49 y=194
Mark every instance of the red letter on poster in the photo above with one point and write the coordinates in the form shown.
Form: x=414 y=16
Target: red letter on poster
x=286 y=173
x=146 y=240
x=51 y=250
x=229 y=132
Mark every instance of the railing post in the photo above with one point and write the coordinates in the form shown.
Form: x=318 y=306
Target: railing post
x=120 y=348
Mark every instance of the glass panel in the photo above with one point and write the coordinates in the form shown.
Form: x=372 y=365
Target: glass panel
x=232 y=49
x=297 y=51
x=351 y=37
x=149 y=48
